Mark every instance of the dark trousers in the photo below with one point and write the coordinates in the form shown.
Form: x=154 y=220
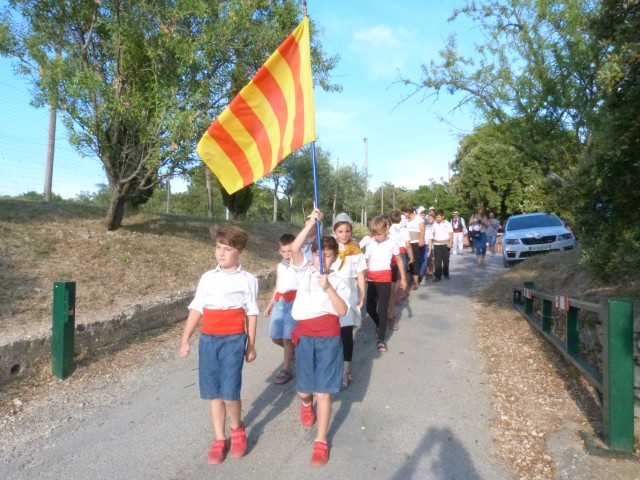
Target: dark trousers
x=441 y=257
x=418 y=258
x=346 y=333
x=378 y=295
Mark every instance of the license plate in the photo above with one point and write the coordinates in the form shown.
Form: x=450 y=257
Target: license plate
x=537 y=248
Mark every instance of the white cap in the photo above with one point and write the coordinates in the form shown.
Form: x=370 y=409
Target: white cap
x=342 y=217
x=420 y=210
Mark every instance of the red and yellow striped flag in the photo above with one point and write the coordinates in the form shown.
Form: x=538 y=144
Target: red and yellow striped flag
x=271 y=117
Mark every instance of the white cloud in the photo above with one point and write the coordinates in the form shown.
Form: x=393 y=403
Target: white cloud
x=384 y=50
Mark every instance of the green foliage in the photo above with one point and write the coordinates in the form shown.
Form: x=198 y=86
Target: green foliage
x=238 y=203
x=388 y=198
x=533 y=75
x=435 y=195
x=100 y=198
x=33 y=196
x=297 y=184
x=604 y=189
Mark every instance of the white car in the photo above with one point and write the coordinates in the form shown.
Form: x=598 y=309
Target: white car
x=533 y=233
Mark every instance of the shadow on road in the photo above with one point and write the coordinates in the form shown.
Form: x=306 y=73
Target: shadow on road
x=453 y=460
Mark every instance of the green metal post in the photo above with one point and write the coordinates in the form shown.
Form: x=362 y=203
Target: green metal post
x=528 y=302
x=618 y=376
x=63 y=331
x=573 y=333
x=547 y=315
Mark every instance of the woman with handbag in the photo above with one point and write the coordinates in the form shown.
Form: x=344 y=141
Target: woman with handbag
x=478 y=224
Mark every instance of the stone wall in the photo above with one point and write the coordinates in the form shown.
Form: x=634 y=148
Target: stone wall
x=20 y=358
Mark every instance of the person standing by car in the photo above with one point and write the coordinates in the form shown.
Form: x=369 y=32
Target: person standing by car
x=492 y=233
x=478 y=224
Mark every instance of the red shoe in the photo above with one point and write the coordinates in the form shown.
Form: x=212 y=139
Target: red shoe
x=307 y=416
x=320 y=454
x=217 y=452
x=238 y=441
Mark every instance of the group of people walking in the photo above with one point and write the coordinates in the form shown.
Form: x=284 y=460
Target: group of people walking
x=321 y=286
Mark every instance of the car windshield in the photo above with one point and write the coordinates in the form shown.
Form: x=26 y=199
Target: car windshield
x=533 y=221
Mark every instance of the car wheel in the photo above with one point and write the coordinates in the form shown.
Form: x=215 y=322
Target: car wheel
x=506 y=263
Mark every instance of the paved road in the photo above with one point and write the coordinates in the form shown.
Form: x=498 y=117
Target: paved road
x=421 y=410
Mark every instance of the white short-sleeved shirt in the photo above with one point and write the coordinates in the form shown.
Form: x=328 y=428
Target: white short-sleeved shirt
x=400 y=234
x=220 y=290
x=311 y=301
x=441 y=231
x=428 y=232
x=365 y=241
x=353 y=264
x=287 y=278
x=379 y=255
x=414 y=226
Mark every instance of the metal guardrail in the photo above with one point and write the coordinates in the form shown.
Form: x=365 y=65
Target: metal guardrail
x=614 y=383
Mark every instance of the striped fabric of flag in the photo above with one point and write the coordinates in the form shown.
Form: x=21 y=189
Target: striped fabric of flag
x=271 y=117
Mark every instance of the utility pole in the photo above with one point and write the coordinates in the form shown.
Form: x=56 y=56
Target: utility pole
x=51 y=143
x=366 y=179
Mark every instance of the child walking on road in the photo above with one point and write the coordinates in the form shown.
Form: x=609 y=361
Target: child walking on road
x=280 y=305
x=351 y=267
x=226 y=302
x=380 y=251
x=321 y=300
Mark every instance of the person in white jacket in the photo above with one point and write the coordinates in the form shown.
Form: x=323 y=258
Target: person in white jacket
x=459 y=231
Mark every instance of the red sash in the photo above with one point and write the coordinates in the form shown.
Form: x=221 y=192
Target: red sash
x=223 y=322
x=327 y=325
x=289 y=296
x=379 y=275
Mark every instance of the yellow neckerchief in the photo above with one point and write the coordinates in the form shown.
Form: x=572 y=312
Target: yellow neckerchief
x=350 y=248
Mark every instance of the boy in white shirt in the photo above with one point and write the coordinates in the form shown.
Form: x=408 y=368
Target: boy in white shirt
x=321 y=300
x=380 y=251
x=280 y=306
x=227 y=302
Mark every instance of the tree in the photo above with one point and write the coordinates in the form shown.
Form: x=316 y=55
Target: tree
x=533 y=74
x=604 y=187
x=138 y=82
x=273 y=182
x=297 y=184
x=348 y=184
x=238 y=204
x=489 y=171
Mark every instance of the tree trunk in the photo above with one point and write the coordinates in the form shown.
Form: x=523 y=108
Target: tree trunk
x=275 y=202
x=116 y=212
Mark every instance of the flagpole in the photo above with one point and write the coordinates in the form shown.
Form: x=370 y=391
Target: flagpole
x=317 y=204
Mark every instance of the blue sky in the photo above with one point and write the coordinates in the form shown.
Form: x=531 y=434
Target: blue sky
x=377 y=40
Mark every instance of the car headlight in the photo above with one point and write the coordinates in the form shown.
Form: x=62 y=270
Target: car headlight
x=565 y=236
x=512 y=241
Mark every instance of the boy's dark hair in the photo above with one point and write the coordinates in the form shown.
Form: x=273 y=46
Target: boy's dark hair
x=439 y=212
x=378 y=225
x=328 y=243
x=235 y=237
x=286 y=239
x=408 y=208
x=395 y=216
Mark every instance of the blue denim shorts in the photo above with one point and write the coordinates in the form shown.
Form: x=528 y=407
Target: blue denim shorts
x=220 y=361
x=281 y=320
x=319 y=364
